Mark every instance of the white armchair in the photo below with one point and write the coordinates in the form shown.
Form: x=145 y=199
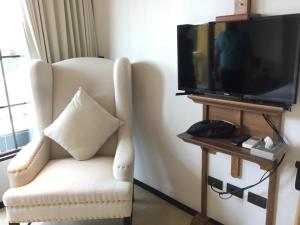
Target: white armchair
x=49 y=185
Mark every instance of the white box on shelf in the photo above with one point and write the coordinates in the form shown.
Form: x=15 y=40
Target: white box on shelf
x=273 y=153
x=251 y=142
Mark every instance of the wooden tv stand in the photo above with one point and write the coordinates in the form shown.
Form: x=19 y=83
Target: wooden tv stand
x=249 y=120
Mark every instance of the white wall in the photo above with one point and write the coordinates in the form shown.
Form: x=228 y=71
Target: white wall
x=145 y=31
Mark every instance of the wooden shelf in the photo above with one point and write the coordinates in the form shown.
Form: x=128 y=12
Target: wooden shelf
x=213 y=145
x=236 y=17
x=249 y=120
x=232 y=104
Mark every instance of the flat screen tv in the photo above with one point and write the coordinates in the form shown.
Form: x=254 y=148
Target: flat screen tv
x=257 y=59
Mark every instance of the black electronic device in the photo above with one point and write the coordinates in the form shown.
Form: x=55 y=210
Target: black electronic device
x=255 y=60
x=212 y=129
x=239 y=140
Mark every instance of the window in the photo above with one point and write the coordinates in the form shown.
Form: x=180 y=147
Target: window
x=15 y=122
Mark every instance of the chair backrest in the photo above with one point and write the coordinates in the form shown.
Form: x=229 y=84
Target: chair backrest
x=53 y=87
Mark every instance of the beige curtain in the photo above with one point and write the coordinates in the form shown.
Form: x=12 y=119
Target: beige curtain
x=59 y=29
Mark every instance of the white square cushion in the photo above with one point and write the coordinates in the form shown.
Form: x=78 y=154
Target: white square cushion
x=83 y=126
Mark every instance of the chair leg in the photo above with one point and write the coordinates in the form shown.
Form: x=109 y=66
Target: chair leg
x=133 y=198
x=127 y=221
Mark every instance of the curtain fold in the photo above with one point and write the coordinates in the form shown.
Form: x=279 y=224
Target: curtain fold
x=59 y=29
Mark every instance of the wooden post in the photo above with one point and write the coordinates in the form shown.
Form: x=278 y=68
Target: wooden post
x=235 y=166
x=204 y=182
x=201 y=218
x=204 y=174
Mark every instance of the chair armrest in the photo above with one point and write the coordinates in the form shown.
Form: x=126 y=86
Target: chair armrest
x=124 y=159
x=28 y=162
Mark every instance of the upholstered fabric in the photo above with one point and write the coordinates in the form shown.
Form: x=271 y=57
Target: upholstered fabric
x=42 y=83
x=68 y=181
x=123 y=163
x=95 y=76
x=77 y=188
x=83 y=127
x=29 y=162
x=48 y=185
x=89 y=211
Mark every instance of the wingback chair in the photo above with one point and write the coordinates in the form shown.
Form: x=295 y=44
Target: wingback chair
x=46 y=183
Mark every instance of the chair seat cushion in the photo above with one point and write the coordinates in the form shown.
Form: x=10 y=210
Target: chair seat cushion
x=69 y=182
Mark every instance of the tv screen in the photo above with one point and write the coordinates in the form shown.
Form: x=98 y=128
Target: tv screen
x=257 y=59
x=193 y=44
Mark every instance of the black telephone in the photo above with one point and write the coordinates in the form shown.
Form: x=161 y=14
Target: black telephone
x=212 y=129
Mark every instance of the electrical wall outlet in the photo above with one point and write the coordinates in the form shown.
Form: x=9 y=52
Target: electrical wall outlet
x=239 y=193
x=257 y=200
x=215 y=182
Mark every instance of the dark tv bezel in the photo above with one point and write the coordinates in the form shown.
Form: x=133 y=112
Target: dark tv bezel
x=255 y=98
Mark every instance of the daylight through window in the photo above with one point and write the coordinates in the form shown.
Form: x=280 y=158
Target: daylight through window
x=15 y=124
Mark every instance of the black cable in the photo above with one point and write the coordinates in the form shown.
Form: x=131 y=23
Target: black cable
x=268 y=119
x=264 y=177
x=271 y=171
